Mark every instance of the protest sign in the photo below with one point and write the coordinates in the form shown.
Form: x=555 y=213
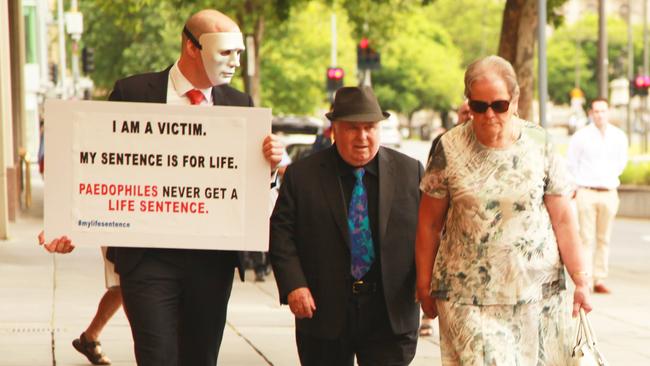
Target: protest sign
x=156 y=175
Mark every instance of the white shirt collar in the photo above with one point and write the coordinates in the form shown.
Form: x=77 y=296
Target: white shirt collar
x=182 y=85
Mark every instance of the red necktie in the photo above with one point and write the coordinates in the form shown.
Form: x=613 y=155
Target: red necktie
x=196 y=97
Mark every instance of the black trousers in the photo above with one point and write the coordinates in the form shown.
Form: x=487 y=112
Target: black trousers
x=177 y=308
x=368 y=336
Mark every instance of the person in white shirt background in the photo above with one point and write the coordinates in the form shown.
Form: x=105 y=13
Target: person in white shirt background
x=596 y=156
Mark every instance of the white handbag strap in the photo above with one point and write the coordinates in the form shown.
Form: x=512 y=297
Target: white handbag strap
x=586 y=328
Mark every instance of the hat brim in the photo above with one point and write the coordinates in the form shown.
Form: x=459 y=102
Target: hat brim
x=362 y=117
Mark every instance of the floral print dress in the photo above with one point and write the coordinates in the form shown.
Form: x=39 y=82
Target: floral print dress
x=498 y=277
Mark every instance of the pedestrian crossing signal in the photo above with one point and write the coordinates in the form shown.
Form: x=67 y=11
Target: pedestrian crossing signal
x=334 y=78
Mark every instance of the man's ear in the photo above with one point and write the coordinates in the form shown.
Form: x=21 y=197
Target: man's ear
x=190 y=49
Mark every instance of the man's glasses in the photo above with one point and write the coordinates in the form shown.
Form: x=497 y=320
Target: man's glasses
x=498 y=106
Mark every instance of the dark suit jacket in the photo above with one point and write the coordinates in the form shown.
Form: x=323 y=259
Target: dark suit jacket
x=310 y=242
x=152 y=88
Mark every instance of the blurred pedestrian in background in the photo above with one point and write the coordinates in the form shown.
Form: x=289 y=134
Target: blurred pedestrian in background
x=88 y=343
x=596 y=157
x=495 y=275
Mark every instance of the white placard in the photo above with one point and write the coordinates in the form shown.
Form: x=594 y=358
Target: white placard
x=156 y=175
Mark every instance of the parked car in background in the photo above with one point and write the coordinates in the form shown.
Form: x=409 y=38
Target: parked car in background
x=390 y=134
x=297 y=133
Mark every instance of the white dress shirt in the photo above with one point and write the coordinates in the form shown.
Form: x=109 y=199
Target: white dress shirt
x=596 y=159
x=178 y=85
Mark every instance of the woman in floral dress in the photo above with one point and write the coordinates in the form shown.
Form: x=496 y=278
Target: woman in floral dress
x=495 y=274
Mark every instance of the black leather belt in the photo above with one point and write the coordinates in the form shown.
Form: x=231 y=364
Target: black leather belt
x=597 y=189
x=361 y=287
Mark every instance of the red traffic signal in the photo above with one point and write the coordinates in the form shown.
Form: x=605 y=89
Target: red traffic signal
x=639 y=85
x=367 y=57
x=335 y=73
x=334 y=78
x=363 y=43
x=642 y=81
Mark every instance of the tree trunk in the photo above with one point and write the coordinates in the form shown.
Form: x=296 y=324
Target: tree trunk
x=517 y=45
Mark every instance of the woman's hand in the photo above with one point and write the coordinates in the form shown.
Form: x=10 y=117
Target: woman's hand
x=58 y=245
x=427 y=303
x=581 y=299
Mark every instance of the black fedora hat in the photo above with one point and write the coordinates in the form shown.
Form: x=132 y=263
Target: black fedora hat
x=356 y=104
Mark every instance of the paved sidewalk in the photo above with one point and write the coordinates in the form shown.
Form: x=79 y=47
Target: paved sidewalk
x=47 y=300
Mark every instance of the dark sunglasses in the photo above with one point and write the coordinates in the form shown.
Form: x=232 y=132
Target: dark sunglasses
x=498 y=106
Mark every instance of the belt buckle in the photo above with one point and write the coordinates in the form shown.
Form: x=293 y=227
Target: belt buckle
x=357 y=286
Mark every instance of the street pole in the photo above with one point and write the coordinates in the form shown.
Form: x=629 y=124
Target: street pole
x=333 y=48
x=330 y=93
x=645 y=37
x=630 y=69
x=75 y=52
x=250 y=63
x=542 y=81
x=602 y=50
x=62 y=55
x=644 y=99
x=5 y=115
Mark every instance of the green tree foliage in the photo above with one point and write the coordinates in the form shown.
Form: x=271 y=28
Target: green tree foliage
x=296 y=55
x=131 y=37
x=421 y=67
x=574 y=48
x=474 y=26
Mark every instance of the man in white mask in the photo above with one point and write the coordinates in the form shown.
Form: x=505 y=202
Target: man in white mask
x=220 y=53
x=176 y=299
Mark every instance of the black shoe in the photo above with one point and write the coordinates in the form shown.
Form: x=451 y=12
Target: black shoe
x=91 y=349
x=259 y=276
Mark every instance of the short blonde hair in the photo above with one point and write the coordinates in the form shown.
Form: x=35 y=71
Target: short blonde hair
x=492 y=64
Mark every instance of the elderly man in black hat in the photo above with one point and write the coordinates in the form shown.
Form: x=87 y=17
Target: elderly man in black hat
x=342 y=243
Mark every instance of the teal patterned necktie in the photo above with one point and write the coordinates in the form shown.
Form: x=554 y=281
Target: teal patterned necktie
x=362 y=250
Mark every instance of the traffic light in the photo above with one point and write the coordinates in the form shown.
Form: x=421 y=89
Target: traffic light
x=334 y=78
x=87 y=60
x=367 y=57
x=640 y=85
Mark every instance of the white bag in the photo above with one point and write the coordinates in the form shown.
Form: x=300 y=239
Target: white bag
x=585 y=351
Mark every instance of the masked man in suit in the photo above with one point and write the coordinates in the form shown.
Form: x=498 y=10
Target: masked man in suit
x=176 y=299
x=342 y=243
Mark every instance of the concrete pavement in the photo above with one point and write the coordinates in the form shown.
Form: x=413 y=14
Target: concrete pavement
x=47 y=300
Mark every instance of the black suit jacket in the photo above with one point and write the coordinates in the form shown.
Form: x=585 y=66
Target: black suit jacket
x=310 y=242
x=152 y=88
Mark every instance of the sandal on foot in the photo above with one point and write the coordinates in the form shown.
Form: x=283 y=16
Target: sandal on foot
x=426 y=330
x=91 y=349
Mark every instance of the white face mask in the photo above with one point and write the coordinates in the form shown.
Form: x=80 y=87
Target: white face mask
x=220 y=53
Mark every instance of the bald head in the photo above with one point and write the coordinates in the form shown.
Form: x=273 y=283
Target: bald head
x=210 y=21
x=210 y=49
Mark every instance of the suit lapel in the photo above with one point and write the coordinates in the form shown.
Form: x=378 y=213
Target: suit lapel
x=220 y=97
x=386 y=191
x=157 y=92
x=331 y=185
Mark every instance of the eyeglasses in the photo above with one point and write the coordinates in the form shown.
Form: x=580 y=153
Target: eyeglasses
x=498 y=106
